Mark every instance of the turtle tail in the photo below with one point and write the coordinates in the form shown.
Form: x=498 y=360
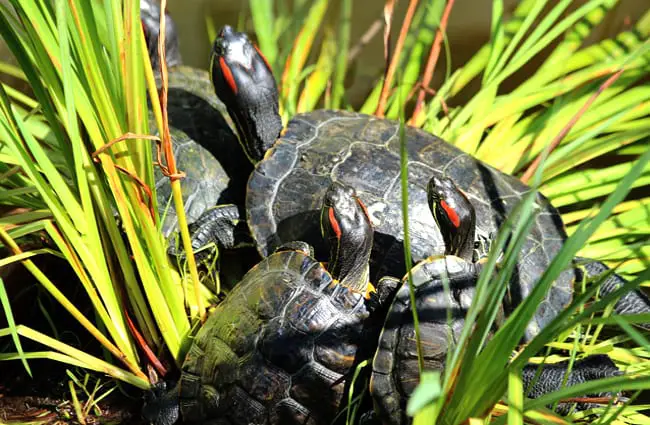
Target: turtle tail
x=632 y=302
x=161 y=407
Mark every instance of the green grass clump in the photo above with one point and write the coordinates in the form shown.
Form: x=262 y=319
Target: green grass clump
x=76 y=165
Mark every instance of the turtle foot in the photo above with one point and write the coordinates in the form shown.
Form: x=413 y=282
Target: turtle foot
x=161 y=406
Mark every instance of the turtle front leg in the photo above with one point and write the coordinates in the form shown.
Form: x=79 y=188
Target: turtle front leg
x=218 y=228
x=380 y=299
x=161 y=406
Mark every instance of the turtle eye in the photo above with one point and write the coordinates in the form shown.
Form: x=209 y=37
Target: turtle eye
x=334 y=223
x=450 y=213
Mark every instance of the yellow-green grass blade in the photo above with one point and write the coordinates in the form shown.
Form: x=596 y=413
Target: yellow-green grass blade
x=9 y=317
x=98 y=124
x=410 y=60
x=568 y=56
x=134 y=84
x=485 y=98
x=12 y=70
x=295 y=64
x=25 y=255
x=50 y=355
x=519 y=135
x=508 y=335
x=29 y=222
x=517 y=102
x=87 y=360
x=421 y=35
x=341 y=59
x=316 y=82
x=210 y=27
x=263 y=21
x=597 y=147
x=78 y=240
x=421 y=404
x=498 y=40
x=479 y=319
x=482 y=314
x=515 y=398
x=522 y=57
x=590 y=184
x=74 y=311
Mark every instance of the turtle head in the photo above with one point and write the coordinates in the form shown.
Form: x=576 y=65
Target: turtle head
x=347 y=226
x=150 y=18
x=243 y=80
x=454 y=215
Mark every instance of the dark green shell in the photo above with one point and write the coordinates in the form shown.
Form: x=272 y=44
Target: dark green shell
x=205 y=147
x=395 y=370
x=278 y=350
x=363 y=151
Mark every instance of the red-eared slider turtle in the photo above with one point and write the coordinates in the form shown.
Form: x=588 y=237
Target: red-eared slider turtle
x=204 y=143
x=279 y=349
x=441 y=317
x=295 y=166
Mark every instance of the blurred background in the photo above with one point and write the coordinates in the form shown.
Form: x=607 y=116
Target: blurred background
x=469 y=28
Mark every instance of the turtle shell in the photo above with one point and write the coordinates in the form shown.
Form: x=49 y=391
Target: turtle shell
x=395 y=370
x=364 y=152
x=278 y=350
x=441 y=317
x=205 y=148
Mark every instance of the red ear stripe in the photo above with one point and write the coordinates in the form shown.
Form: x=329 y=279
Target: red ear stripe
x=363 y=207
x=225 y=70
x=453 y=217
x=334 y=224
x=262 y=56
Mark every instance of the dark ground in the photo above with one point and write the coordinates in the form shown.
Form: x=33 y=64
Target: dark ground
x=45 y=398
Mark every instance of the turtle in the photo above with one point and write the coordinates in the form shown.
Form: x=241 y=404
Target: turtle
x=441 y=313
x=204 y=142
x=279 y=349
x=295 y=164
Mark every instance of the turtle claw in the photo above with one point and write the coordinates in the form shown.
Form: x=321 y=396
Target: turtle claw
x=379 y=300
x=217 y=228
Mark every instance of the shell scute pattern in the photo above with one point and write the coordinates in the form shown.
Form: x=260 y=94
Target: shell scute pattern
x=363 y=152
x=310 y=314
x=265 y=382
x=334 y=349
x=285 y=333
x=268 y=299
x=370 y=163
x=290 y=411
x=205 y=148
x=395 y=366
x=284 y=347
